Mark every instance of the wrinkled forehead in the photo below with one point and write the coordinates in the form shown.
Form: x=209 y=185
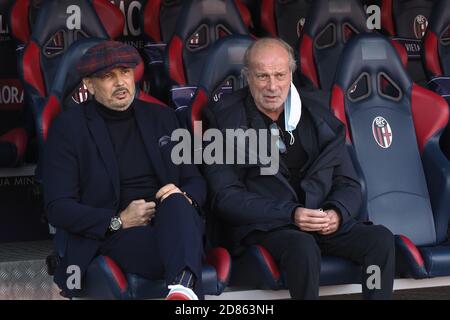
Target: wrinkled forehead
x=269 y=56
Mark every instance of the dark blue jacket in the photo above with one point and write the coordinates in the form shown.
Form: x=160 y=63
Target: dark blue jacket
x=242 y=200
x=81 y=177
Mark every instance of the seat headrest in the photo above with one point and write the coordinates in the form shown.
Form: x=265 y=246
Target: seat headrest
x=209 y=18
x=221 y=73
x=201 y=23
x=437 y=40
x=337 y=12
x=329 y=26
x=407 y=18
x=74 y=21
x=158 y=13
x=285 y=18
x=372 y=54
x=440 y=17
x=22 y=17
x=225 y=59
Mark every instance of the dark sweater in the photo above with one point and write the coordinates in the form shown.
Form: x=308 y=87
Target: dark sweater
x=137 y=176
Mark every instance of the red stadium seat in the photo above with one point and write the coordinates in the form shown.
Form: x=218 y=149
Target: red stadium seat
x=406 y=22
x=284 y=19
x=57 y=25
x=328 y=28
x=200 y=24
x=437 y=45
x=220 y=75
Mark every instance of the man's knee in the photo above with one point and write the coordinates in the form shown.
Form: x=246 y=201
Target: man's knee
x=381 y=240
x=176 y=208
x=176 y=204
x=303 y=248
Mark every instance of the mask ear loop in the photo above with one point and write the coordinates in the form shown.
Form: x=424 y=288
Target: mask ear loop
x=292 y=140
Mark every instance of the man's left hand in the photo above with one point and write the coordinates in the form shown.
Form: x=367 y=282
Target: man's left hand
x=167 y=190
x=335 y=220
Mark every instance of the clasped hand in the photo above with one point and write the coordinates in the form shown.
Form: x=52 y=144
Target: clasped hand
x=316 y=220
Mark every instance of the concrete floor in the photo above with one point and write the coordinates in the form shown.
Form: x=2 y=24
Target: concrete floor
x=435 y=293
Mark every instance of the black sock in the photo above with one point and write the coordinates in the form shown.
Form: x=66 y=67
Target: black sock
x=186 y=278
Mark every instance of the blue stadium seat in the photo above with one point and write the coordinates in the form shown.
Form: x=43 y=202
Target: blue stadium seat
x=436 y=58
x=159 y=18
x=437 y=49
x=330 y=24
x=105 y=280
x=58 y=24
x=22 y=18
x=221 y=74
x=256 y=268
x=200 y=24
x=282 y=18
x=406 y=22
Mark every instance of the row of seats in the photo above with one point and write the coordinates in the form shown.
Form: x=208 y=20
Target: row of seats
x=393 y=130
x=189 y=35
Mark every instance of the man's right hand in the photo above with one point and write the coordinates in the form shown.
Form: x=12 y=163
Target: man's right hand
x=311 y=220
x=138 y=213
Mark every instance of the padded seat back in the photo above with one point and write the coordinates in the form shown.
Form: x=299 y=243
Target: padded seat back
x=201 y=23
x=159 y=18
x=437 y=41
x=406 y=22
x=22 y=18
x=284 y=18
x=221 y=73
x=59 y=24
x=329 y=26
x=406 y=18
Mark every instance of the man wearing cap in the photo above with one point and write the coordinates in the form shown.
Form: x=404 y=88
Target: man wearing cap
x=110 y=184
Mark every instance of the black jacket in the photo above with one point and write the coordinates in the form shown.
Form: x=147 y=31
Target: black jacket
x=81 y=176
x=243 y=200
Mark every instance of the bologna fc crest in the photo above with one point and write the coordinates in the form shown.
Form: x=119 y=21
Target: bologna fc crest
x=420 y=26
x=80 y=95
x=300 y=25
x=382 y=132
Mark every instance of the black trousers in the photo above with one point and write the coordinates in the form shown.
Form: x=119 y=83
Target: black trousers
x=298 y=255
x=162 y=249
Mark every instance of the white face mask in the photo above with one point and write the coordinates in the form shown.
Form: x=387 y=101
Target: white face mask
x=292 y=111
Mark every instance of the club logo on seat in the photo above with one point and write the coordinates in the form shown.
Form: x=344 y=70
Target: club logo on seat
x=420 y=26
x=300 y=26
x=382 y=132
x=80 y=95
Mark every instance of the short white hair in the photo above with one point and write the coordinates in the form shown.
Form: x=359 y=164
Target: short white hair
x=265 y=41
